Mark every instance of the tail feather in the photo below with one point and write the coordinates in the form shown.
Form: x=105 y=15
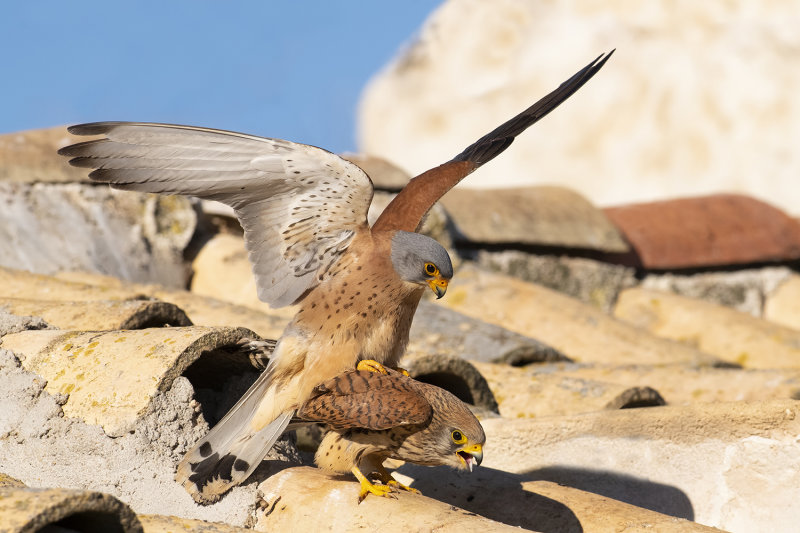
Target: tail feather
x=230 y=452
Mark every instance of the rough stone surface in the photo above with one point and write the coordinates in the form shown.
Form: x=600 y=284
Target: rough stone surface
x=717 y=230
x=137 y=467
x=733 y=465
x=698 y=98
x=556 y=394
x=682 y=384
x=544 y=216
x=579 y=331
x=86 y=366
x=100 y=314
x=743 y=290
x=730 y=335
x=589 y=281
x=783 y=304
x=309 y=497
x=441 y=331
x=129 y=235
x=173 y=524
x=32 y=510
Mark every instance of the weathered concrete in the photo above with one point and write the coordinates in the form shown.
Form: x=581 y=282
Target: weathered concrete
x=545 y=216
x=728 y=334
x=305 y=498
x=743 y=290
x=89 y=366
x=173 y=524
x=526 y=392
x=439 y=330
x=592 y=282
x=99 y=314
x=24 y=510
x=134 y=236
x=82 y=286
x=679 y=384
x=783 y=304
x=582 y=332
x=733 y=465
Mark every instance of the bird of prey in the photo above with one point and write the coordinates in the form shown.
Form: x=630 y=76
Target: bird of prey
x=374 y=416
x=304 y=215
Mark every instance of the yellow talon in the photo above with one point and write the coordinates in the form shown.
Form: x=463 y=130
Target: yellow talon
x=372 y=366
x=403 y=371
x=387 y=478
x=368 y=488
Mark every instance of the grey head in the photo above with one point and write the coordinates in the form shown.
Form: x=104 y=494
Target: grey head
x=419 y=259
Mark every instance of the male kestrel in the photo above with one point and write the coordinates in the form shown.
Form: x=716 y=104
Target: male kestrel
x=373 y=417
x=304 y=215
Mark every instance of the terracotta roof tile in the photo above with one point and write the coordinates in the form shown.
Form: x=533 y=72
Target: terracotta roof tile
x=722 y=229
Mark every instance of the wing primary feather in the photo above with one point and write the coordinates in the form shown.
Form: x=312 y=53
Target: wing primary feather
x=408 y=209
x=495 y=142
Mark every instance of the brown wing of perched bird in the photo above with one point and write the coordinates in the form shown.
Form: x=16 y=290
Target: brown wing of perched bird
x=375 y=416
x=303 y=211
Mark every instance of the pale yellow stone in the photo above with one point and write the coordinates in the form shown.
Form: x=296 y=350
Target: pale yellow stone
x=82 y=286
x=580 y=331
x=26 y=510
x=731 y=335
x=112 y=376
x=523 y=392
x=782 y=306
x=175 y=524
x=99 y=314
x=305 y=499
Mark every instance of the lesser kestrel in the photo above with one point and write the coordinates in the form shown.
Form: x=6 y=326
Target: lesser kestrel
x=374 y=416
x=304 y=215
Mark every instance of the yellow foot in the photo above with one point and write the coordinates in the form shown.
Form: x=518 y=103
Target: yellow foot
x=372 y=366
x=368 y=488
x=396 y=484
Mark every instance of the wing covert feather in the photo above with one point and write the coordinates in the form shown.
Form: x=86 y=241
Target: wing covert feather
x=299 y=205
x=369 y=400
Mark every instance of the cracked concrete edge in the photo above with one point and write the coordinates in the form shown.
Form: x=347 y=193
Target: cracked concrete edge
x=85 y=365
x=304 y=498
x=26 y=510
x=99 y=314
x=171 y=524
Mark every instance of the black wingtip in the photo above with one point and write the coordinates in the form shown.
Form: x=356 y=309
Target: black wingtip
x=495 y=142
x=92 y=128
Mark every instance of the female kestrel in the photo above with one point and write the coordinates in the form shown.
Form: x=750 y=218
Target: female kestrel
x=304 y=215
x=374 y=416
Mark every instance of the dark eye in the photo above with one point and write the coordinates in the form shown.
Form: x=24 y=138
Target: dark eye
x=458 y=437
x=430 y=269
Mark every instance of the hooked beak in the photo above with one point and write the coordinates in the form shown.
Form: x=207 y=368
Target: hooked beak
x=438 y=285
x=471 y=455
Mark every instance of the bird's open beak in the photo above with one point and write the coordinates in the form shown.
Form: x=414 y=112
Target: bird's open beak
x=438 y=285
x=471 y=455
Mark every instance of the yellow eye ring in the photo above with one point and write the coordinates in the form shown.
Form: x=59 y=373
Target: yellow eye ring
x=458 y=437
x=431 y=270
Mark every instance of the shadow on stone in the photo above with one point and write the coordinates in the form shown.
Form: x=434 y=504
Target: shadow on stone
x=496 y=495
x=658 y=497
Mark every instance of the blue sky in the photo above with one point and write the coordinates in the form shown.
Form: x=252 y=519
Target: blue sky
x=293 y=69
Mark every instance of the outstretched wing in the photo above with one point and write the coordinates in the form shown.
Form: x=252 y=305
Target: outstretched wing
x=408 y=209
x=299 y=205
x=369 y=400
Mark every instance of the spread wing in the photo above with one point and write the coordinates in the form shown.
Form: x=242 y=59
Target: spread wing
x=369 y=400
x=299 y=205
x=408 y=209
